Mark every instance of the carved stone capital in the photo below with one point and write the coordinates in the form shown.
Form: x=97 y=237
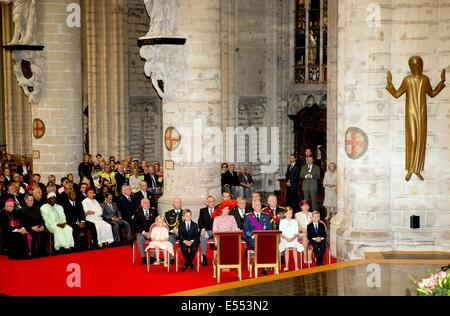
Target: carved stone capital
x=28 y=71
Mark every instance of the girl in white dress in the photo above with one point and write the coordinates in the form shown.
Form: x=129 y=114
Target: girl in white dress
x=303 y=218
x=94 y=212
x=160 y=240
x=289 y=237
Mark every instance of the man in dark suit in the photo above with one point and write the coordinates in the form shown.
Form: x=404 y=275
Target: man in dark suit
x=240 y=210
x=304 y=159
x=143 y=219
x=113 y=217
x=292 y=177
x=188 y=234
x=310 y=174
x=234 y=182
x=173 y=219
x=125 y=203
x=75 y=217
x=141 y=194
x=37 y=180
x=120 y=178
x=81 y=195
x=205 y=224
x=317 y=236
x=152 y=180
x=31 y=219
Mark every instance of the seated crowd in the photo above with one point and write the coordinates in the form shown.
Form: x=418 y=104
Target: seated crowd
x=96 y=212
x=115 y=203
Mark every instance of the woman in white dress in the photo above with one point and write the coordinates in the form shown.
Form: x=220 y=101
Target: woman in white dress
x=94 y=211
x=160 y=240
x=303 y=218
x=289 y=237
x=330 y=185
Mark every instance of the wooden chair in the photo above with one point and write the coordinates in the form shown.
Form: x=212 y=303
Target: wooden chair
x=294 y=253
x=134 y=247
x=326 y=255
x=148 y=253
x=266 y=253
x=228 y=254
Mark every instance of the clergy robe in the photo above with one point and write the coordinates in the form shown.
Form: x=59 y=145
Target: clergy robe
x=17 y=244
x=54 y=215
x=104 y=231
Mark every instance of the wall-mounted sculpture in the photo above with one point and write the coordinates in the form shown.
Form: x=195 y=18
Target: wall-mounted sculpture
x=416 y=86
x=26 y=52
x=165 y=60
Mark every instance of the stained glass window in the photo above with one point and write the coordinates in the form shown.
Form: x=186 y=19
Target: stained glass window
x=311 y=29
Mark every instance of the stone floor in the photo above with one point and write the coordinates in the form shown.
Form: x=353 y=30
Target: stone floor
x=395 y=279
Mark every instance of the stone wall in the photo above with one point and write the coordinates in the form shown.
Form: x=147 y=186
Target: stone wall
x=374 y=200
x=145 y=115
x=105 y=75
x=60 y=104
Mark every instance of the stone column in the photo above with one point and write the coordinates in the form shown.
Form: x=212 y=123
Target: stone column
x=105 y=75
x=192 y=91
x=16 y=110
x=374 y=200
x=60 y=101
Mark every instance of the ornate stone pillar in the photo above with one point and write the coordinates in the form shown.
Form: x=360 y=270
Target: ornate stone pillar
x=374 y=200
x=105 y=75
x=190 y=77
x=59 y=107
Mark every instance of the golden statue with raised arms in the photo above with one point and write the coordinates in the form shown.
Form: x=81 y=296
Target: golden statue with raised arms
x=416 y=86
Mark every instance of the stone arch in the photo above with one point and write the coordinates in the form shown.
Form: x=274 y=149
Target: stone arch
x=310 y=100
x=323 y=101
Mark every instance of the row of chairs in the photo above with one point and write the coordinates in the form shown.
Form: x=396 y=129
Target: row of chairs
x=227 y=254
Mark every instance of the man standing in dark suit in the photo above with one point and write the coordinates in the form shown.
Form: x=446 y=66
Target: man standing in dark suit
x=143 y=219
x=188 y=234
x=304 y=159
x=317 y=236
x=292 y=177
x=205 y=224
x=310 y=174
x=126 y=204
x=113 y=217
x=173 y=219
x=240 y=210
x=75 y=217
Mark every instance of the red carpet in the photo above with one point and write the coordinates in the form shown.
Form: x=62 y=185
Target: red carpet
x=106 y=272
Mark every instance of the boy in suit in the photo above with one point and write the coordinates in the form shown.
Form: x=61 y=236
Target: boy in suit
x=317 y=236
x=188 y=234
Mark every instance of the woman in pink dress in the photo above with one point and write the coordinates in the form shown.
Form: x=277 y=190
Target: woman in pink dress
x=159 y=236
x=225 y=222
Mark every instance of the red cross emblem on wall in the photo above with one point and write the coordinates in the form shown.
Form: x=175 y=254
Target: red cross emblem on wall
x=356 y=142
x=171 y=138
x=38 y=128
